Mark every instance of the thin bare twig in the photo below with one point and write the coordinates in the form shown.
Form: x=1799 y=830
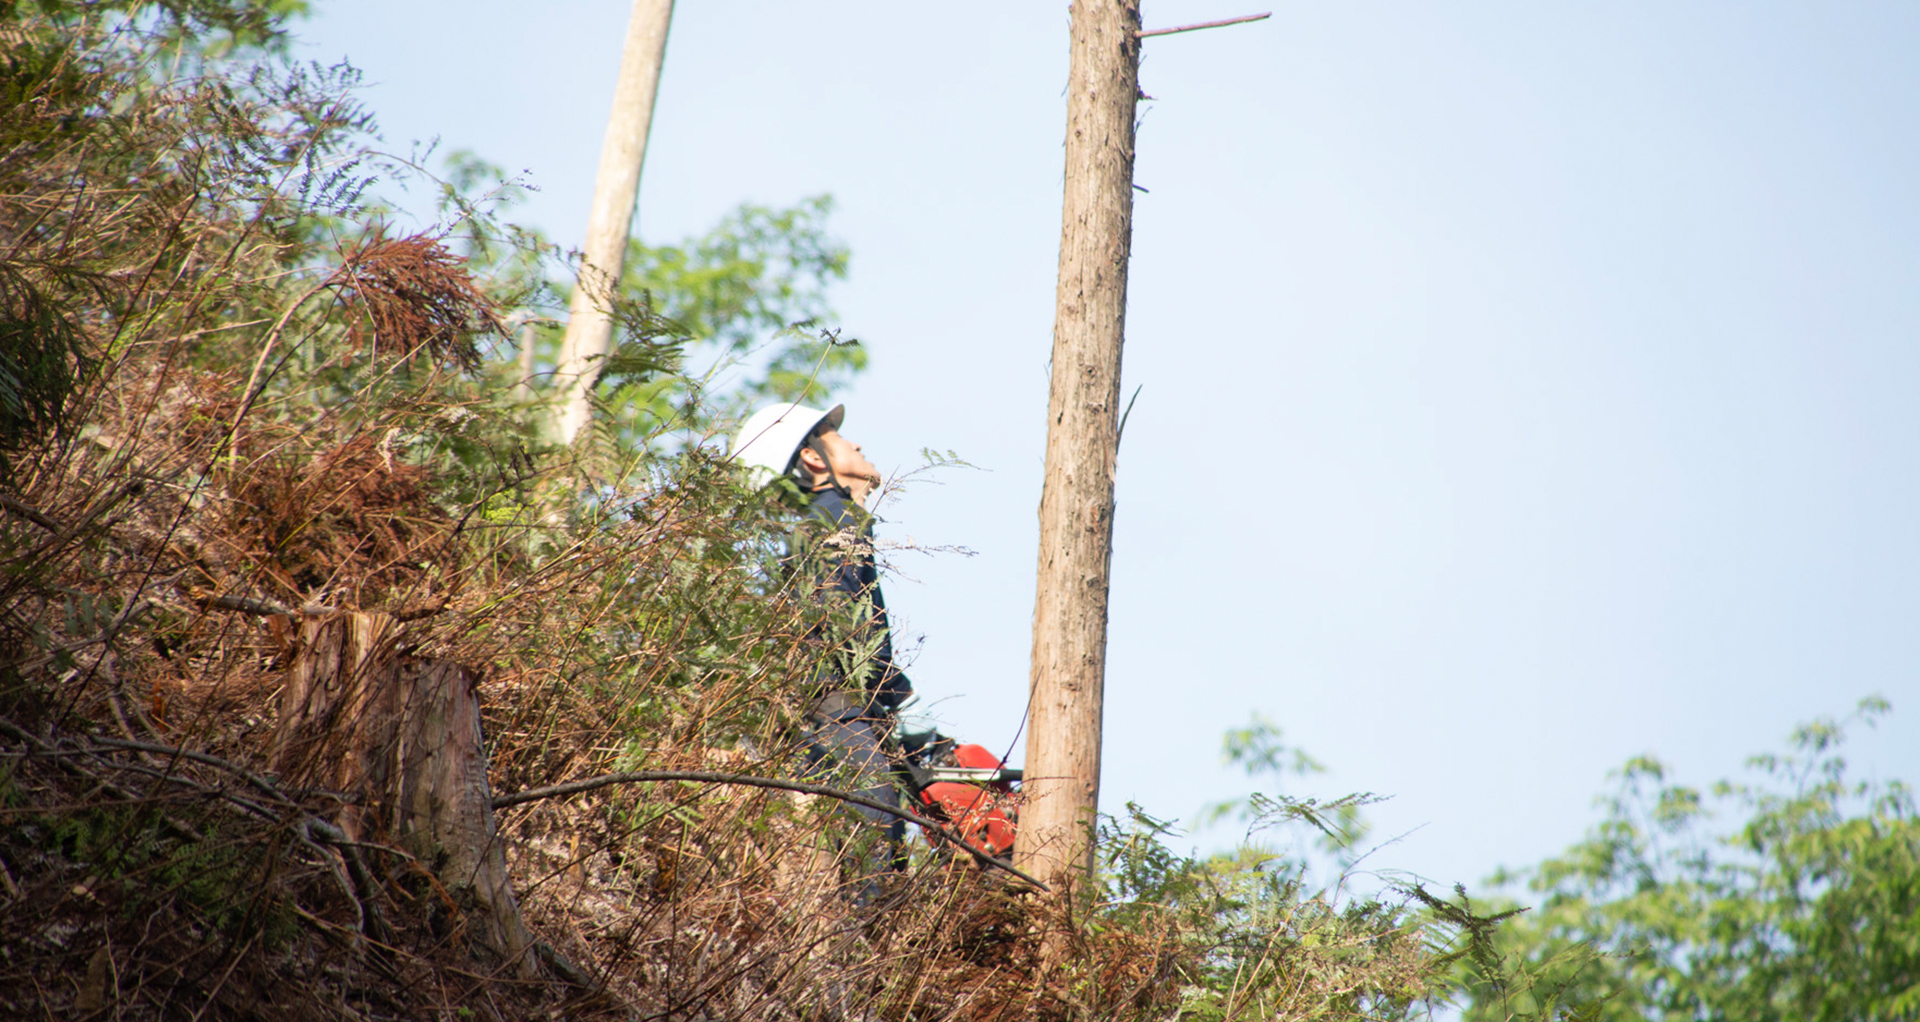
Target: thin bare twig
x=751 y=781
x=1204 y=24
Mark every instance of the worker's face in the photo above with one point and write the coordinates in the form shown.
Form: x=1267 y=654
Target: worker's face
x=845 y=457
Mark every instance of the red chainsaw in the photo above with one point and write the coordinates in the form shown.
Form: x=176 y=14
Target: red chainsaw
x=963 y=786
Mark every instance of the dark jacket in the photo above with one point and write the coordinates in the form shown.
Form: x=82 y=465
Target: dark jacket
x=857 y=674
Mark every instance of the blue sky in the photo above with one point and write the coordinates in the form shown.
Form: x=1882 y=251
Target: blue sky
x=1524 y=387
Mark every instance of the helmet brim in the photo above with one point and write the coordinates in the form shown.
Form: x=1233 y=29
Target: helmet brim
x=771 y=438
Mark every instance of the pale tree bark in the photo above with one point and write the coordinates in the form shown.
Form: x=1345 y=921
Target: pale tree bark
x=1055 y=840
x=616 y=188
x=525 y=333
x=400 y=736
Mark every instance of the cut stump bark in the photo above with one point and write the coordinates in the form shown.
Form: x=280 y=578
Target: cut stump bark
x=400 y=737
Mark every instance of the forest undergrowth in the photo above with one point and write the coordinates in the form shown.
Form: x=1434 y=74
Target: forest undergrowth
x=234 y=398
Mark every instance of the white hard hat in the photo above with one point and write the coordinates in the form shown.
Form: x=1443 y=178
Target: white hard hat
x=769 y=439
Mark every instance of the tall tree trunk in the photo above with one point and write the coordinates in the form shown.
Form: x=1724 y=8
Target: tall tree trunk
x=1076 y=505
x=616 y=188
x=402 y=736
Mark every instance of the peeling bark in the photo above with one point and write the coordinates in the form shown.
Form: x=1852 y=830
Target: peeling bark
x=400 y=737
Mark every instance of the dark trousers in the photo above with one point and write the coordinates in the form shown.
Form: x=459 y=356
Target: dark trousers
x=851 y=751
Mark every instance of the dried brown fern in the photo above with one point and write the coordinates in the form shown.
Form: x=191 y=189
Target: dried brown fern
x=409 y=296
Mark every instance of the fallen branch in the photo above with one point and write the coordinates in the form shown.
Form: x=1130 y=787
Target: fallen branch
x=344 y=863
x=258 y=782
x=322 y=830
x=264 y=608
x=271 y=608
x=749 y=780
x=29 y=514
x=36 y=747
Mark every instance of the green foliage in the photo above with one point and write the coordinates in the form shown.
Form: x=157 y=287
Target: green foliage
x=1802 y=905
x=133 y=862
x=750 y=297
x=1262 y=942
x=41 y=362
x=1257 y=942
x=1505 y=986
x=705 y=329
x=755 y=270
x=1259 y=749
x=213 y=28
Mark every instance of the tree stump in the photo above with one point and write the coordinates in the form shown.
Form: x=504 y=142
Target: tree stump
x=400 y=736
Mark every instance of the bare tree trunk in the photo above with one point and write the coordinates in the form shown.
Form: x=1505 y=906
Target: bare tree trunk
x=1076 y=505
x=528 y=336
x=402 y=734
x=616 y=188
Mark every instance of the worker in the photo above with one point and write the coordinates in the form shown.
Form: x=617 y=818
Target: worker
x=857 y=688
